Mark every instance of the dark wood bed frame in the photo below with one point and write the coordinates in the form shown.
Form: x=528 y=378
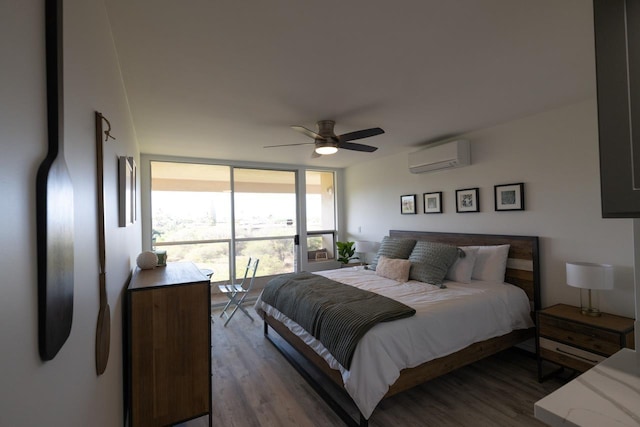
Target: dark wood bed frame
x=523 y=270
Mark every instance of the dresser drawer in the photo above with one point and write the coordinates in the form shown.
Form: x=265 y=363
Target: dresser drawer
x=584 y=336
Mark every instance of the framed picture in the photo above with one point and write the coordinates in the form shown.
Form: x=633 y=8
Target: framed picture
x=408 y=204
x=134 y=196
x=509 y=197
x=467 y=200
x=433 y=202
x=126 y=191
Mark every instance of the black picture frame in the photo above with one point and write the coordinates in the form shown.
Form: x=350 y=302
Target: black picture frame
x=126 y=191
x=134 y=189
x=432 y=202
x=467 y=200
x=509 y=197
x=408 y=204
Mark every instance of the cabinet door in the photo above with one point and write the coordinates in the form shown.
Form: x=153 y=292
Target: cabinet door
x=617 y=43
x=170 y=354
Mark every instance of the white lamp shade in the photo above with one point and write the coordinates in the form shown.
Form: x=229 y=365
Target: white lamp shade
x=588 y=275
x=365 y=247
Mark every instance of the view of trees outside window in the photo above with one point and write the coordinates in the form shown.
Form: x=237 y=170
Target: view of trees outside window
x=192 y=210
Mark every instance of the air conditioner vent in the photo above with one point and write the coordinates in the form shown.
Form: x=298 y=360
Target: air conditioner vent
x=440 y=156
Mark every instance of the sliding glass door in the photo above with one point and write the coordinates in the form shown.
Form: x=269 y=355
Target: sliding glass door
x=218 y=216
x=265 y=224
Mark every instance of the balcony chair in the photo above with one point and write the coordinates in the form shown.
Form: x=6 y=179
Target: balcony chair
x=237 y=292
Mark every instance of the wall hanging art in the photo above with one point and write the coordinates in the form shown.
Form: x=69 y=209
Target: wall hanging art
x=408 y=204
x=54 y=205
x=509 y=197
x=467 y=200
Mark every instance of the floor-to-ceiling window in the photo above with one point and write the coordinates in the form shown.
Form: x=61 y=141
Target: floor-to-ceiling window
x=191 y=214
x=321 y=215
x=218 y=215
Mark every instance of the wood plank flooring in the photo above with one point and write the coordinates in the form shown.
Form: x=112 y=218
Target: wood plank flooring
x=253 y=385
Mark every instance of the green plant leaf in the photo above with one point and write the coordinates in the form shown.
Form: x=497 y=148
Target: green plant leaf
x=346 y=251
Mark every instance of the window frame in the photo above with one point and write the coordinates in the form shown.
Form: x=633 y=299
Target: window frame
x=300 y=250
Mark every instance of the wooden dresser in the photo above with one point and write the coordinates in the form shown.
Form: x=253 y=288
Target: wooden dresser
x=168 y=332
x=570 y=339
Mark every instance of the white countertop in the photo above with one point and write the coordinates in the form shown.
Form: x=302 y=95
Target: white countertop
x=606 y=395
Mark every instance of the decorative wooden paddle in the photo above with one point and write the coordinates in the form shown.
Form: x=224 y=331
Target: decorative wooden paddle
x=54 y=205
x=103 y=327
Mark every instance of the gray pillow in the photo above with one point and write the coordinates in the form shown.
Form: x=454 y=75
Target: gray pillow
x=430 y=262
x=393 y=248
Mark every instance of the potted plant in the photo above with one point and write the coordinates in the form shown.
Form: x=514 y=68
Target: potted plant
x=346 y=250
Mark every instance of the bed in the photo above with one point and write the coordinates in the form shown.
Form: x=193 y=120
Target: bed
x=398 y=368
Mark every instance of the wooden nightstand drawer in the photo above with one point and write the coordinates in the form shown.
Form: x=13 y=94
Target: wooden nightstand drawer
x=567 y=355
x=584 y=336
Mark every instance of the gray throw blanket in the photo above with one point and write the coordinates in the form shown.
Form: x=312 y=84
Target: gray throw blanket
x=336 y=314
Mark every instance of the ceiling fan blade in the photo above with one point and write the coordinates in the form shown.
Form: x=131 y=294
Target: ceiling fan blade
x=288 y=145
x=315 y=155
x=359 y=134
x=309 y=133
x=356 y=147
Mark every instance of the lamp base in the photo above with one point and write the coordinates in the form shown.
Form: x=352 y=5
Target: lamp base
x=590 y=311
x=589 y=302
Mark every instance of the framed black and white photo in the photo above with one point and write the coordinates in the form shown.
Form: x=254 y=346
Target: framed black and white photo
x=134 y=196
x=467 y=200
x=408 y=204
x=509 y=197
x=433 y=202
x=126 y=191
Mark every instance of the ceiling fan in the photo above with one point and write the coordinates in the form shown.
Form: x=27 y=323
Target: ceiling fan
x=327 y=142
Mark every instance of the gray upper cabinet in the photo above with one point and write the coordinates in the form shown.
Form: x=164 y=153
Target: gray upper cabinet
x=617 y=43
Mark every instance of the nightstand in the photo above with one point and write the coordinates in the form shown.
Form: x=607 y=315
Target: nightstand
x=353 y=264
x=572 y=340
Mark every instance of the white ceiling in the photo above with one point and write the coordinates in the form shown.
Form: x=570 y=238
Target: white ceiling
x=222 y=78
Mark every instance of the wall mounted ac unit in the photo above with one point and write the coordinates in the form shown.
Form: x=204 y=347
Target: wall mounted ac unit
x=439 y=156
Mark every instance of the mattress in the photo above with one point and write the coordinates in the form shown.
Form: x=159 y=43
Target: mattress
x=446 y=320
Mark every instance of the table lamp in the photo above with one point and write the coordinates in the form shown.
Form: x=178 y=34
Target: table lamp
x=590 y=278
x=363 y=247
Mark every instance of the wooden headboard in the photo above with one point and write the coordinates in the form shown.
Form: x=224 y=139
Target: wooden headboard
x=523 y=265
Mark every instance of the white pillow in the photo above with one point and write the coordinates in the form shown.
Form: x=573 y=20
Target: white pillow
x=392 y=268
x=461 y=270
x=491 y=263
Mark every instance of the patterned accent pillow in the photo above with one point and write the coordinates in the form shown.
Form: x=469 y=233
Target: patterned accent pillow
x=430 y=262
x=393 y=248
x=394 y=269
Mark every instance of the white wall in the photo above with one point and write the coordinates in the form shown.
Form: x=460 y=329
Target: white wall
x=66 y=390
x=556 y=155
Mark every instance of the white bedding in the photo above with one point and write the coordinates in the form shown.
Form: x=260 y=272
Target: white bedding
x=446 y=320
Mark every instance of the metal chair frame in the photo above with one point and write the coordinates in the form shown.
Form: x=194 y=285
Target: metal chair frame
x=237 y=292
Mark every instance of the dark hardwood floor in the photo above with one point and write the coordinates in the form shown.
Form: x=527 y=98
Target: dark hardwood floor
x=253 y=385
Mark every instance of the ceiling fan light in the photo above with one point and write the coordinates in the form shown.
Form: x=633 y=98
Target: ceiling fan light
x=326 y=149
